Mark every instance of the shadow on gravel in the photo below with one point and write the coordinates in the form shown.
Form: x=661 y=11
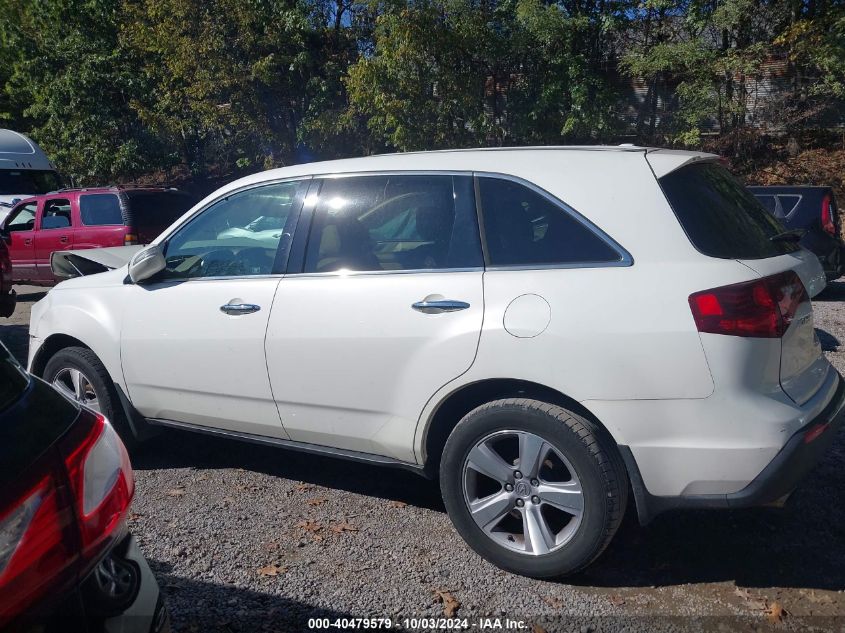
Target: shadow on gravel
x=213 y=607
x=801 y=545
x=827 y=340
x=176 y=449
x=38 y=295
x=834 y=291
x=16 y=338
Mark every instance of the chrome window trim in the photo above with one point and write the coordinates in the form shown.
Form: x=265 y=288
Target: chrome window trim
x=625 y=258
x=409 y=271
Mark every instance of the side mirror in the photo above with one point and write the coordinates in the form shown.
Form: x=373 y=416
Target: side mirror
x=146 y=263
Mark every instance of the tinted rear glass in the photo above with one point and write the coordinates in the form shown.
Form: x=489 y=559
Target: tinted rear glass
x=157 y=208
x=720 y=216
x=13 y=380
x=28 y=181
x=100 y=209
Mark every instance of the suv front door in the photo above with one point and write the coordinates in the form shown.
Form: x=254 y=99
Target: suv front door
x=382 y=308
x=192 y=344
x=20 y=228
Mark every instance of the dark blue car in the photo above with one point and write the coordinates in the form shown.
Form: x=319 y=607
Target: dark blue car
x=814 y=210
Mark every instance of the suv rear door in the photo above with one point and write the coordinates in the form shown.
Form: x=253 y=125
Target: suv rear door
x=381 y=309
x=101 y=221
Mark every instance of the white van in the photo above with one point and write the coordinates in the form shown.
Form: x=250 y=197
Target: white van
x=25 y=170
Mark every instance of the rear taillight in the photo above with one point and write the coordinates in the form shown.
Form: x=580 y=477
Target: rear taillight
x=761 y=308
x=130 y=239
x=37 y=547
x=102 y=483
x=64 y=521
x=828 y=224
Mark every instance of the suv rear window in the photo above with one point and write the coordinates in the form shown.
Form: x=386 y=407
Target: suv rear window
x=157 y=208
x=13 y=379
x=720 y=216
x=100 y=209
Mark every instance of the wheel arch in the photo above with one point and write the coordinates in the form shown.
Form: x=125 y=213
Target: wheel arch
x=51 y=346
x=454 y=406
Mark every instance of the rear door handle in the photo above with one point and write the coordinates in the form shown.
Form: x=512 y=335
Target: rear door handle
x=63 y=239
x=438 y=306
x=239 y=308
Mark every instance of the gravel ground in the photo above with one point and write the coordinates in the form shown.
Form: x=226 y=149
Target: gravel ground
x=249 y=538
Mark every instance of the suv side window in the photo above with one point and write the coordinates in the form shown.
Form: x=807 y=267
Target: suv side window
x=393 y=223
x=239 y=235
x=100 y=209
x=22 y=218
x=524 y=228
x=56 y=214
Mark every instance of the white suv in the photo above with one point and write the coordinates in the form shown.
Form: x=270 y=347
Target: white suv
x=539 y=327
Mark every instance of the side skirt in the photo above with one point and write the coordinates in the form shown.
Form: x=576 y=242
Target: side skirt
x=304 y=447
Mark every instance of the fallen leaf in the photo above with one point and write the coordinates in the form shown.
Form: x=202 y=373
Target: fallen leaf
x=302 y=487
x=616 y=600
x=310 y=526
x=538 y=628
x=134 y=516
x=316 y=502
x=338 y=528
x=450 y=602
x=176 y=492
x=775 y=612
x=554 y=603
x=397 y=504
x=271 y=570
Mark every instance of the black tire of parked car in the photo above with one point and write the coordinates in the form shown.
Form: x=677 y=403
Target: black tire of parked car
x=86 y=361
x=600 y=469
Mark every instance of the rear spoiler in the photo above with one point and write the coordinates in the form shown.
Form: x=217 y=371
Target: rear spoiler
x=68 y=264
x=665 y=161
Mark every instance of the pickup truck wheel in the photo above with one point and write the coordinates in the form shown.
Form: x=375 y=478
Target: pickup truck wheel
x=78 y=374
x=533 y=488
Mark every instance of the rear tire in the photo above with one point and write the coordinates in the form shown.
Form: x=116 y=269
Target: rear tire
x=554 y=518
x=78 y=374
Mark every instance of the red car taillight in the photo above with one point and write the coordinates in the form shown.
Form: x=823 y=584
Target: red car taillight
x=828 y=225
x=60 y=525
x=761 y=308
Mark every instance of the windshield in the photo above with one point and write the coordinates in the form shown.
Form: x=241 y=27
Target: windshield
x=13 y=379
x=28 y=181
x=720 y=216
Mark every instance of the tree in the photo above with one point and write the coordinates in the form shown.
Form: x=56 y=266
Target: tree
x=71 y=86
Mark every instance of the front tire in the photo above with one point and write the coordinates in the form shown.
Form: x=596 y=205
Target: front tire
x=78 y=374
x=532 y=487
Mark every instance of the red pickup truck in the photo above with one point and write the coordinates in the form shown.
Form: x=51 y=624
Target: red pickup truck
x=85 y=218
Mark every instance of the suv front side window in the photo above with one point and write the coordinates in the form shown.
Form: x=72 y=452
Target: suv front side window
x=239 y=235
x=22 y=218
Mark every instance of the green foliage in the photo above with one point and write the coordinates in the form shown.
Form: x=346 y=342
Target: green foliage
x=118 y=89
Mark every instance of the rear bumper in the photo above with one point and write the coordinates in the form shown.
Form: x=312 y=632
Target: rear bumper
x=7 y=303
x=778 y=479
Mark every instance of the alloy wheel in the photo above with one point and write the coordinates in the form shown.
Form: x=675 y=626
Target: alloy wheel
x=522 y=492
x=76 y=385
